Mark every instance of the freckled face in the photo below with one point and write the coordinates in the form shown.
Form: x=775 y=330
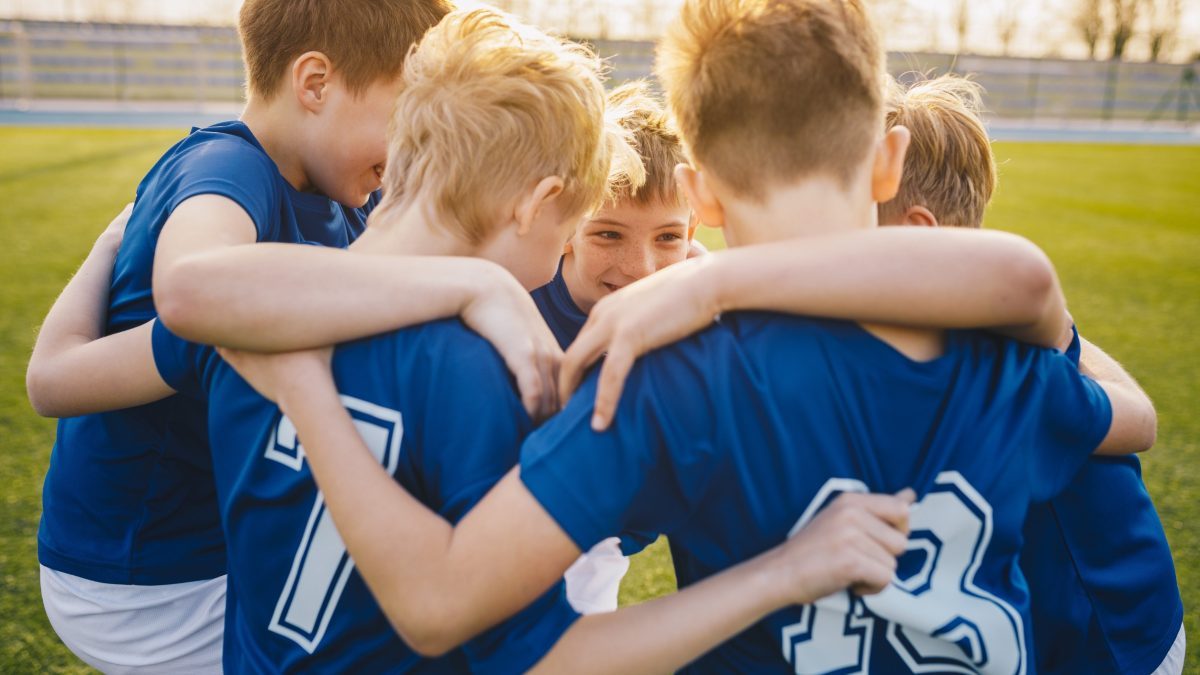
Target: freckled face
x=623 y=243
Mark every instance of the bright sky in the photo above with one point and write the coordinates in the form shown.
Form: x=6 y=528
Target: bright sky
x=1043 y=26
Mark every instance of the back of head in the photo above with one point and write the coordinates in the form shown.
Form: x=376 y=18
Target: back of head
x=769 y=91
x=490 y=107
x=653 y=134
x=366 y=40
x=949 y=168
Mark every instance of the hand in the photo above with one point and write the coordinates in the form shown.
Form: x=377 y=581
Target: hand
x=278 y=376
x=852 y=543
x=113 y=234
x=504 y=314
x=652 y=312
x=696 y=249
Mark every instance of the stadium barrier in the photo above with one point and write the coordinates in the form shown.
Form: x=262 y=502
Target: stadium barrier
x=50 y=60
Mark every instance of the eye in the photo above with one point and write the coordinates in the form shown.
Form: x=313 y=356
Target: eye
x=669 y=237
x=608 y=235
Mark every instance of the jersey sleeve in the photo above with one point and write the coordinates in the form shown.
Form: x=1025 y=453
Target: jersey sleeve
x=644 y=474
x=179 y=362
x=1075 y=417
x=232 y=168
x=472 y=431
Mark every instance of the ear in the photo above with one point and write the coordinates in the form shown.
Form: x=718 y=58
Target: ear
x=531 y=204
x=706 y=206
x=889 y=164
x=919 y=215
x=311 y=73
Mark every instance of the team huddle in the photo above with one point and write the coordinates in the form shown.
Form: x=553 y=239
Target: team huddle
x=316 y=413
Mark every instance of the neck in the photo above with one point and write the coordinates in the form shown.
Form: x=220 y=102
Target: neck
x=806 y=208
x=272 y=125
x=407 y=229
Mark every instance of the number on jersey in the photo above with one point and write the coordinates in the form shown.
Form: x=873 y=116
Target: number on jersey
x=321 y=565
x=936 y=618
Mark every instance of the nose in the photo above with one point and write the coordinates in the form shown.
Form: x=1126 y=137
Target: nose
x=638 y=263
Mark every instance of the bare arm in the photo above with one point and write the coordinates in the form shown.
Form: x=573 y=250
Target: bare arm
x=72 y=370
x=900 y=275
x=1134 y=420
x=664 y=634
x=212 y=286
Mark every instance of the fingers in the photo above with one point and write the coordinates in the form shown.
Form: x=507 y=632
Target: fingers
x=583 y=352
x=892 y=509
x=613 y=372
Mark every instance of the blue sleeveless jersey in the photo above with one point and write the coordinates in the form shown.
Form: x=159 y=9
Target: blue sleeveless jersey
x=731 y=440
x=1104 y=593
x=128 y=497
x=436 y=406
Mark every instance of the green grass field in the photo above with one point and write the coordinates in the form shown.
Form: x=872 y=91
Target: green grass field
x=1120 y=223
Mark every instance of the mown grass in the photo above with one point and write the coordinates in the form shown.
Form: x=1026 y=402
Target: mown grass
x=1120 y=223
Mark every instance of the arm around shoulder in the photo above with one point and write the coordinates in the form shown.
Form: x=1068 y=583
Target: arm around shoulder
x=1134 y=426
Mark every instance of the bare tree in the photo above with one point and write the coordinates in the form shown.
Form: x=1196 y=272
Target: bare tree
x=1008 y=23
x=1089 y=21
x=1124 y=14
x=1164 y=26
x=962 y=24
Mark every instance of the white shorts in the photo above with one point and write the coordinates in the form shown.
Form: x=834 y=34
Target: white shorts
x=594 y=580
x=174 y=628
x=1173 y=664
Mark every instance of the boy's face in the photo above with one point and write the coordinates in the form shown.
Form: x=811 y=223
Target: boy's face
x=622 y=243
x=349 y=139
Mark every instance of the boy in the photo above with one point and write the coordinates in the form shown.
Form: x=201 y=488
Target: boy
x=130 y=539
x=636 y=232
x=1103 y=591
x=736 y=438
x=294 y=602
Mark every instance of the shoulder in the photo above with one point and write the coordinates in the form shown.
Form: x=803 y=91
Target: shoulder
x=227 y=148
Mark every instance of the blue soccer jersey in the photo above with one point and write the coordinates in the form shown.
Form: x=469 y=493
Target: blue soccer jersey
x=1104 y=592
x=128 y=497
x=558 y=308
x=731 y=440
x=295 y=602
x=565 y=320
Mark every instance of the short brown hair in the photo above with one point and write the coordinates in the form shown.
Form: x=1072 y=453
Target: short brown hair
x=490 y=106
x=949 y=168
x=366 y=40
x=767 y=91
x=657 y=142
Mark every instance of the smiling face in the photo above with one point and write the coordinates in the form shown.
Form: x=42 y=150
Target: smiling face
x=622 y=243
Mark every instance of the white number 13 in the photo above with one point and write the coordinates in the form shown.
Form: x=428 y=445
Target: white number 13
x=936 y=619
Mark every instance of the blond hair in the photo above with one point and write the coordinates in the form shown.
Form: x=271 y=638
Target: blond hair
x=366 y=40
x=640 y=113
x=949 y=168
x=768 y=91
x=491 y=106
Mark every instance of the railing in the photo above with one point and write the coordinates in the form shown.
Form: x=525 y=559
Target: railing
x=44 y=60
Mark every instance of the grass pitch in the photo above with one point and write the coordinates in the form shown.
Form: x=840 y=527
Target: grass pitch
x=1120 y=223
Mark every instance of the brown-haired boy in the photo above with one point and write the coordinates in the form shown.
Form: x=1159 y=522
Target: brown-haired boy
x=734 y=440
x=132 y=553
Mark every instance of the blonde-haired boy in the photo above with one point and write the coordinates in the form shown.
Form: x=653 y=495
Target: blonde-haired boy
x=734 y=440
x=949 y=170
x=1091 y=611
x=498 y=146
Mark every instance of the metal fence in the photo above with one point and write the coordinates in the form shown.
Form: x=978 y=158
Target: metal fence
x=44 y=60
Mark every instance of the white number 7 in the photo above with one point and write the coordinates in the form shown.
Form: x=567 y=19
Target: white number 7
x=321 y=565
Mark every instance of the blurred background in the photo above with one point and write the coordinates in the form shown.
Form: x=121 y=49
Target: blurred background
x=1045 y=64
